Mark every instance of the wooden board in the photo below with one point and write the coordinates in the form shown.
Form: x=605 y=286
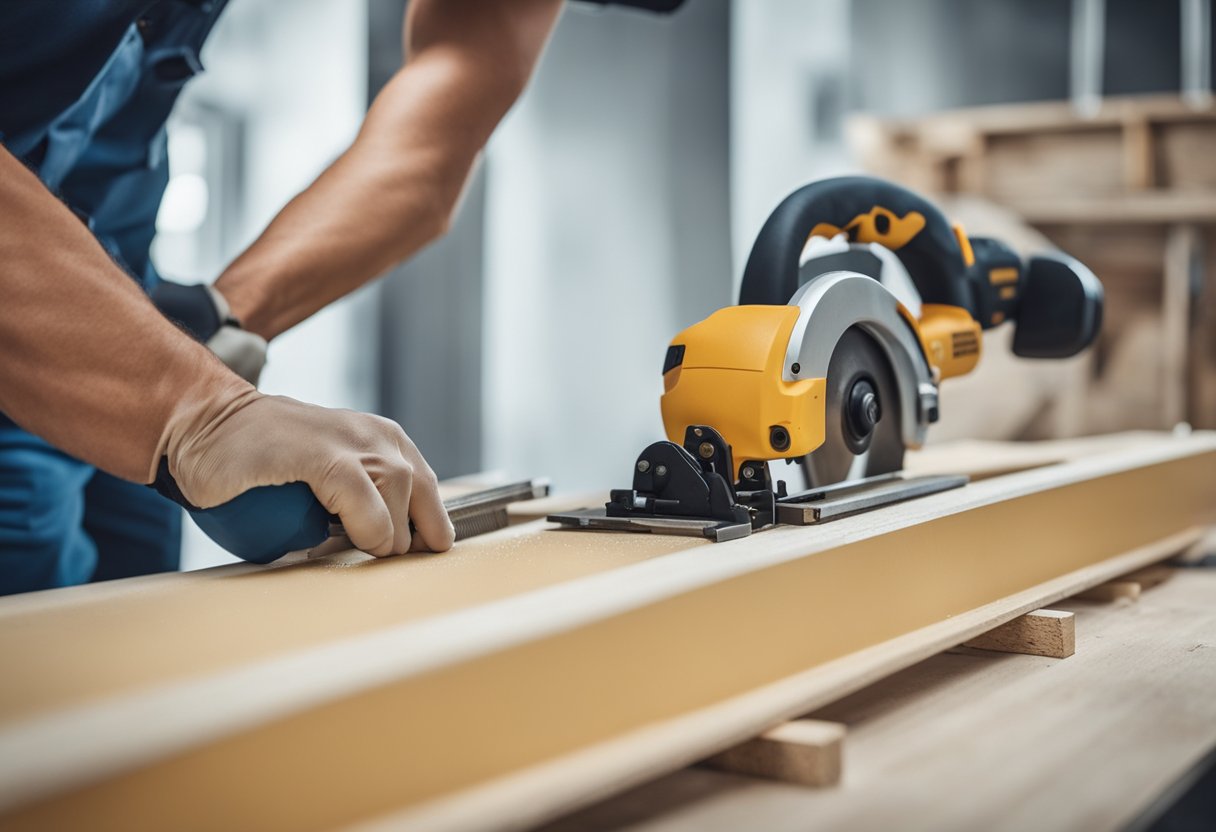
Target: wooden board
x=1016 y=152
x=975 y=740
x=1150 y=208
x=982 y=459
x=530 y=670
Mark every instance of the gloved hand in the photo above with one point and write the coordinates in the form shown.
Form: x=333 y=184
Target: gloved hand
x=361 y=467
x=203 y=312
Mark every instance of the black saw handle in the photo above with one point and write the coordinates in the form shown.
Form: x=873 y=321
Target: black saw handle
x=1056 y=301
x=869 y=210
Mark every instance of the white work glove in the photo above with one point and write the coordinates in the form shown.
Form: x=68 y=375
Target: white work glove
x=203 y=312
x=361 y=467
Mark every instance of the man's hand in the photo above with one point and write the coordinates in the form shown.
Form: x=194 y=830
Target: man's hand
x=362 y=468
x=89 y=364
x=396 y=188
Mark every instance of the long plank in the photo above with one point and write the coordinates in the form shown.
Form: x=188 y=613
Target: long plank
x=504 y=711
x=78 y=644
x=1151 y=207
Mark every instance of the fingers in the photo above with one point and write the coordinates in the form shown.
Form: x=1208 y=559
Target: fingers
x=350 y=493
x=434 y=527
x=393 y=472
x=378 y=519
x=433 y=531
x=380 y=480
x=402 y=487
x=396 y=491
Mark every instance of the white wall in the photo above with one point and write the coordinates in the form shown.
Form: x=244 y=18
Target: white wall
x=587 y=279
x=787 y=59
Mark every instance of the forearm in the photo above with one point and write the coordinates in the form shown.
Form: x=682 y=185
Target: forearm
x=395 y=189
x=86 y=362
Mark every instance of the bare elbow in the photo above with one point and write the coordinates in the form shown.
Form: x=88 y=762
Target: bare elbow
x=442 y=208
x=443 y=220
x=510 y=83
x=447 y=205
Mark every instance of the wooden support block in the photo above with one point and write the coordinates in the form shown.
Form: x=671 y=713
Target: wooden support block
x=805 y=752
x=1041 y=633
x=1130 y=585
x=1111 y=591
x=1150 y=576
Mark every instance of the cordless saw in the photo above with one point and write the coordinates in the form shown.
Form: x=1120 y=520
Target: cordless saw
x=858 y=299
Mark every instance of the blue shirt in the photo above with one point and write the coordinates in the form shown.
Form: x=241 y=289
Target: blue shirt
x=85 y=89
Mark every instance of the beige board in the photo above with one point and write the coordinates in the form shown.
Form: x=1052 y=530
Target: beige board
x=77 y=644
x=127 y=635
x=469 y=712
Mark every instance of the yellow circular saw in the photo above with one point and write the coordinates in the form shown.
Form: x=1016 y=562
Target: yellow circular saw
x=859 y=298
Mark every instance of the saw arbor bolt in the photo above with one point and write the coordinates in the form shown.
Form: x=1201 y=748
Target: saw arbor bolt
x=864 y=410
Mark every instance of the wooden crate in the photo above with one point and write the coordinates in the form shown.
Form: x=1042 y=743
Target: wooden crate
x=1131 y=192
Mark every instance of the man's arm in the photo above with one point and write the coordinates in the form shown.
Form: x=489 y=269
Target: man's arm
x=396 y=188
x=87 y=363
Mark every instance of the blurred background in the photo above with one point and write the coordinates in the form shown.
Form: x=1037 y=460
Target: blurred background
x=618 y=201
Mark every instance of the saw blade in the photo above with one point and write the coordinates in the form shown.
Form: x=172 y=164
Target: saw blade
x=862 y=436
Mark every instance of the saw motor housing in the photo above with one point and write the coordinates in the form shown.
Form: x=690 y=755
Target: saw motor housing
x=738 y=355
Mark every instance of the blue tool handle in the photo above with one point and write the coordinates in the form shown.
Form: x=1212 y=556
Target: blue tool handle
x=266 y=522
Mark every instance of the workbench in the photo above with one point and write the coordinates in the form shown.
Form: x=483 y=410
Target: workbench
x=974 y=739
x=530 y=672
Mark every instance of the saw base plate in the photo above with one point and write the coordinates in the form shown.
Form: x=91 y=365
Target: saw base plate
x=806 y=508
x=819 y=505
x=597 y=519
